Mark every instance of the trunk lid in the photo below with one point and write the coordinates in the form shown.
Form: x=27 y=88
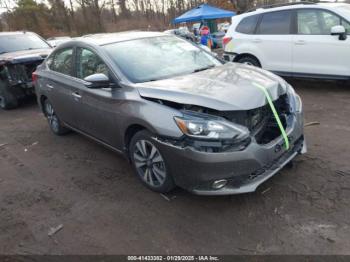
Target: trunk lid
x=25 y=56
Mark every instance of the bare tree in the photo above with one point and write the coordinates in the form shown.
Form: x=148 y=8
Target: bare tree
x=77 y=17
x=6 y=4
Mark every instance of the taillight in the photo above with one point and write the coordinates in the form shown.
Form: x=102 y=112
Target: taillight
x=226 y=40
x=34 y=77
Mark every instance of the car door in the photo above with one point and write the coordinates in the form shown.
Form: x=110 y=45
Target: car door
x=315 y=50
x=273 y=38
x=59 y=83
x=98 y=108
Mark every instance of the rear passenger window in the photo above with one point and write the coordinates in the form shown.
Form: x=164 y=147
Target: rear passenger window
x=62 y=61
x=275 y=23
x=248 y=25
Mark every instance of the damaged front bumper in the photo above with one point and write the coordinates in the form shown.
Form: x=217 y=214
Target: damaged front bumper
x=243 y=170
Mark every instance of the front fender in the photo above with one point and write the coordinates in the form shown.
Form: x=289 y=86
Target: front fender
x=155 y=117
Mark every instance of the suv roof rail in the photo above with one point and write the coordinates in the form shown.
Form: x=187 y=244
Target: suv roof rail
x=281 y=5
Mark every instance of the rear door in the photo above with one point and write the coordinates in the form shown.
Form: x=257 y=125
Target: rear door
x=315 y=50
x=273 y=38
x=58 y=83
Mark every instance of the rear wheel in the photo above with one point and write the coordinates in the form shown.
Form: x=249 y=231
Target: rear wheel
x=149 y=163
x=54 y=122
x=7 y=99
x=249 y=60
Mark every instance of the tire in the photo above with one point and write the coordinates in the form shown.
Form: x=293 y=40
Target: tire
x=249 y=60
x=7 y=99
x=54 y=122
x=149 y=164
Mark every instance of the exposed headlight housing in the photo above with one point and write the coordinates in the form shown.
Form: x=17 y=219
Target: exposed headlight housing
x=208 y=127
x=295 y=100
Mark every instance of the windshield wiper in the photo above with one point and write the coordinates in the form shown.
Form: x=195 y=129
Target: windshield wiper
x=203 y=68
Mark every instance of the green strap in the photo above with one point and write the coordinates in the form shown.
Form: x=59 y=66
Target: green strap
x=272 y=106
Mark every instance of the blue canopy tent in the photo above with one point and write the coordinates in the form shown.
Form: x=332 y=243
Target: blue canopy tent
x=203 y=12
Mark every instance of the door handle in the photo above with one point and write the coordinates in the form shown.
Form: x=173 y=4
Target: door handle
x=76 y=95
x=257 y=40
x=50 y=86
x=300 y=42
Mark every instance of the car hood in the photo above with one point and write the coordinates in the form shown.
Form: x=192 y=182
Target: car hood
x=225 y=88
x=25 y=56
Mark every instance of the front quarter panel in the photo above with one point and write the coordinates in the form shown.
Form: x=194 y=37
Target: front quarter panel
x=157 y=118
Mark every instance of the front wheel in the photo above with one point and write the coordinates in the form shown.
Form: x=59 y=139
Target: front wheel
x=149 y=164
x=54 y=122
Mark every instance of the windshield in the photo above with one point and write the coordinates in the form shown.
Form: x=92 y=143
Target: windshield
x=155 y=58
x=13 y=43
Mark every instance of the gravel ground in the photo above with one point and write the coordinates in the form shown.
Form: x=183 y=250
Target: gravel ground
x=47 y=181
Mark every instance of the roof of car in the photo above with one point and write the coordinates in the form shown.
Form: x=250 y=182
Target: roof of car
x=108 y=38
x=296 y=6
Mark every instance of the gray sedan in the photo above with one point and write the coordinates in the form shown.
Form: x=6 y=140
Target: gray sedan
x=180 y=115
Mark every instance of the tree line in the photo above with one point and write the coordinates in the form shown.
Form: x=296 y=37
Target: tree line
x=79 y=17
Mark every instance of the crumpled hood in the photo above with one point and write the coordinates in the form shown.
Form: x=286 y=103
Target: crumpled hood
x=225 y=88
x=25 y=56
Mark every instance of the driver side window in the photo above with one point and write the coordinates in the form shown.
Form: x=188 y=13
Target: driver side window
x=346 y=25
x=90 y=63
x=318 y=22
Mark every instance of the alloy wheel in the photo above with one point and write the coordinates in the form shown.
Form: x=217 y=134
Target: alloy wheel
x=51 y=117
x=149 y=163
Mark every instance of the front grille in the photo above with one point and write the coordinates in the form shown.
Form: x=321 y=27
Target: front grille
x=261 y=121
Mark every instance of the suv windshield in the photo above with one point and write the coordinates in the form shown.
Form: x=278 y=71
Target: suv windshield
x=157 y=58
x=20 y=42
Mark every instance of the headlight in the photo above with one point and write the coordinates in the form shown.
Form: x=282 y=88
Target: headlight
x=295 y=100
x=298 y=103
x=205 y=127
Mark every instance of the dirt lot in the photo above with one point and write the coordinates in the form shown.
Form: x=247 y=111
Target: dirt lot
x=46 y=181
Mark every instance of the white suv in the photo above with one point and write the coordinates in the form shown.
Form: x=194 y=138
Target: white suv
x=302 y=40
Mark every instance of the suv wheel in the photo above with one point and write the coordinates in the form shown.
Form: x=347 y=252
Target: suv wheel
x=54 y=122
x=149 y=163
x=249 y=60
x=7 y=99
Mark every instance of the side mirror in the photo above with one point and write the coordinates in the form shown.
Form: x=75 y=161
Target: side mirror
x=97 y=81
x=340 y=31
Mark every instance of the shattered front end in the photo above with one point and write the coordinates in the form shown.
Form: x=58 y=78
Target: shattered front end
x=224 y=166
